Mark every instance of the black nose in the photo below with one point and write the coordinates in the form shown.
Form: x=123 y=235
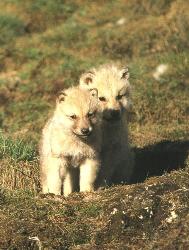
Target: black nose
x=85 y=131
x=115 y=114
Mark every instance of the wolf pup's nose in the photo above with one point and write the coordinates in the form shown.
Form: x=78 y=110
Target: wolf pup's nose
x=85 y=131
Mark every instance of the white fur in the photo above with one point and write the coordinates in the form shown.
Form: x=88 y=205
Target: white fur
x=116 y=156
x=62 y=151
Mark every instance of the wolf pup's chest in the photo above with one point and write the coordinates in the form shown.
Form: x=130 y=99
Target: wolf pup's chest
x=75 y=161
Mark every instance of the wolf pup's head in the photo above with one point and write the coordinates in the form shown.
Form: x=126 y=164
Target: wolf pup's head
x=77 y=111
x=113 y=90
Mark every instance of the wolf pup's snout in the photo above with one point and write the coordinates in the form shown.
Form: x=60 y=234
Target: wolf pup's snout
x=112 y=115
x=86 y=131
x=115 y=114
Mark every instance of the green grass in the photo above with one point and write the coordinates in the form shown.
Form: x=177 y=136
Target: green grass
x=10 y=28
x=18 y=149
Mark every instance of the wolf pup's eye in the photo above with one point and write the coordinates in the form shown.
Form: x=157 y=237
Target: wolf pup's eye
x=73 y=117
x=91 y=114
x=119 y=97
x=102 y=98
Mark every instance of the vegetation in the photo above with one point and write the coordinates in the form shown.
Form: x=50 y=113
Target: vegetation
x=44 y=47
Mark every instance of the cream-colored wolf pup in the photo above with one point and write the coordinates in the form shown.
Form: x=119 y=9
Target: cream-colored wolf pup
x=71 y=140
x=114 y=96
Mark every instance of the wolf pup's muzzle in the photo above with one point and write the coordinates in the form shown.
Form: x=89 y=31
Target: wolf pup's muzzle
x=112 y=115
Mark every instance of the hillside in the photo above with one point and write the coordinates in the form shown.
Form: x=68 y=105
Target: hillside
x=44 y=46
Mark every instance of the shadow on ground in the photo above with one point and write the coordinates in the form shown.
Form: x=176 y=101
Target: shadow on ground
x=155 y=160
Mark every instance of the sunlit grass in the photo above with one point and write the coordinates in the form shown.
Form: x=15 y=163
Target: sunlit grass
x=17 y=149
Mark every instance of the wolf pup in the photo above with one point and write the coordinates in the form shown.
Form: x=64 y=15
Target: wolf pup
x=71 y=140
x=114 y=97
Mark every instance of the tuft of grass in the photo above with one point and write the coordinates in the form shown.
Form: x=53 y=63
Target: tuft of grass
x=10 y=27
x=43 y=12
x=18 y=149
x=149 y=7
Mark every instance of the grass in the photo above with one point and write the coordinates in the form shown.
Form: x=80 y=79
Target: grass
x=18 y=150
x=10 y=28
x=44 y=47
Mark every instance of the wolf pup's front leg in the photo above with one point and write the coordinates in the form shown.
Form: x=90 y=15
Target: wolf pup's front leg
x=70 y=181
x=88 y=174
x=52 y=174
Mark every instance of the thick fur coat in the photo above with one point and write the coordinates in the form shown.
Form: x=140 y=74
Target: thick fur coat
x=71 y=141
x=114 y=93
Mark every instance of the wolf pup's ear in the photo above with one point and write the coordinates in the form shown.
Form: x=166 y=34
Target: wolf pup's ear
x=61 y=96
x=124 y=73
x=87 y=78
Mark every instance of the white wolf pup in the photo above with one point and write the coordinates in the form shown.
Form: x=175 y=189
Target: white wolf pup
x=114 y=97
x=71 y=141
